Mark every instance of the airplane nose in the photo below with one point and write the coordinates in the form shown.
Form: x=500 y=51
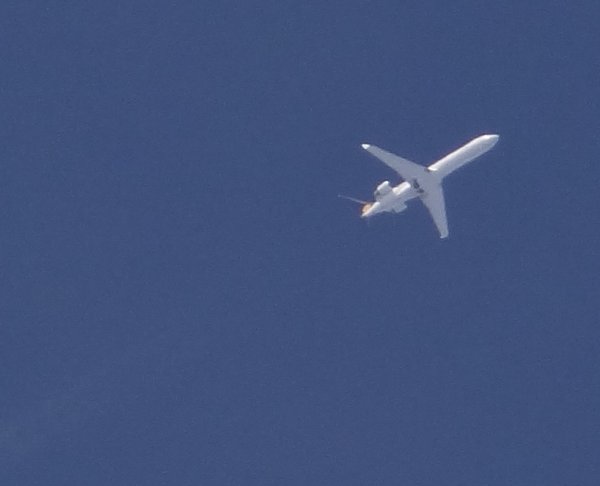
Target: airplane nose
x=492 y=139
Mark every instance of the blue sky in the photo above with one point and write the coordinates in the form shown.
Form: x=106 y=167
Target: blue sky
x=186 y=300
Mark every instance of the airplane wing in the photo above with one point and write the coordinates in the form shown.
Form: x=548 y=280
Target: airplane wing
x=434 y=202
x=408 y=170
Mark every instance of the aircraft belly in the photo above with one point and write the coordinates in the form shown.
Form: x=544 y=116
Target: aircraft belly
x=457 y=159
x=463 y=155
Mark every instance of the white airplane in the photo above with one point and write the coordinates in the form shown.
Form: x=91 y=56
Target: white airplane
x=422 y=182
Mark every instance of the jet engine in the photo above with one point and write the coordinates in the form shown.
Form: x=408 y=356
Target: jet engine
x=382 y=189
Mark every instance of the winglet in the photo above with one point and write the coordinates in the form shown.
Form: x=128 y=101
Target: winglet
x=365 y=146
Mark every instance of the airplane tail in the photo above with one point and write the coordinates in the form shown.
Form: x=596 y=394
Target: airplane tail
x=366 y=205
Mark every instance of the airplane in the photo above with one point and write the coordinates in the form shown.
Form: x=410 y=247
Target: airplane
x=421 y=182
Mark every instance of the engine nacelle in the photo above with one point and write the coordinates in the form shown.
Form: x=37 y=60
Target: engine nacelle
x=382 y=189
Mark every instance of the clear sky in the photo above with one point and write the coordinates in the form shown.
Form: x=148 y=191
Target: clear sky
x=185 y=301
